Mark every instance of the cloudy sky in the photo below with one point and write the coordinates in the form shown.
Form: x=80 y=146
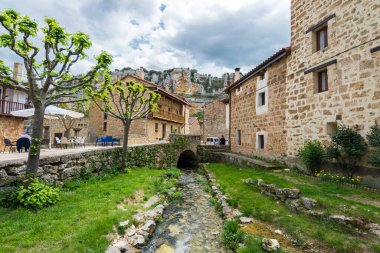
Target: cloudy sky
x=214 y=36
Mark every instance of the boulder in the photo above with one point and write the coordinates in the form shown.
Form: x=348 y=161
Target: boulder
x=280 y=194
x=138 y=240
x=124 y=223
x=356 y=222
x=374 y=229
x=294 y=205
x=112 y=249
x=15 y=171
x=309 y=203
x=246 y=220
x=249 y=181
x=139 y=217
x=149 y=226
x=292 y=193
x=121 y=245
x=270 y=244
x=260 y=182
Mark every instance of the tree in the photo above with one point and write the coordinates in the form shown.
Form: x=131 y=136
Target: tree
x=48 y=78
x=374 y=141
x=313 y=155
x=347 y=149
x=126 y=102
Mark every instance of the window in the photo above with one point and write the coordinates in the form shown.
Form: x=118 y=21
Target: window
x=105 y=116
x=260 y=141
x=262 y=76
x=331 y=128
x=321 y=37
x=156 y=127
x=262 y=98
x=239 y=137
x=322 y=81
x=104 y=126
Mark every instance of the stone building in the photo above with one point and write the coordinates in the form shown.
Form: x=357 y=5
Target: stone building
x=56 y=128
x=258 y=104
x=171 y=117
x=194 y=126
x=216 y=119
x=12 y=99
x=333 y=71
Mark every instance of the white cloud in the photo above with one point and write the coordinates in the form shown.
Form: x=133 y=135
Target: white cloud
x=213 y=36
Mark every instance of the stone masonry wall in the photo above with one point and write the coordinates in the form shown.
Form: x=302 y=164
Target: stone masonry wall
x=215 y=120
x=10 y=128
x=65 y=167
x=245 y=118
x=354 y=82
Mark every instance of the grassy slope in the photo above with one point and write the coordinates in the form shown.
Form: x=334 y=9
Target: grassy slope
x=301 y=227
x=79 y=221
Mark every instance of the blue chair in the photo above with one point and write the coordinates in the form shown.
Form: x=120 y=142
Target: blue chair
x=102 y=140
x=116 y=140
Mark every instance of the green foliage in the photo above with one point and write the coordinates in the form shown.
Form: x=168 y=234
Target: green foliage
x=347 y=149
x=38 y=194
x=231 y=235
x=374 y=141
x=199 y=115
x=338 y=179
x=313 y=155
x=35 y=146
x=9 y=198
x=172 y=173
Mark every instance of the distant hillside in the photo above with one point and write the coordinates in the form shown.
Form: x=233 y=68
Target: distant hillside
x=184 y=81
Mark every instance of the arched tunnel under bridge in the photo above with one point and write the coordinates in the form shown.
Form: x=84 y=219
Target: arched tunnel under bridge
x=188 y=160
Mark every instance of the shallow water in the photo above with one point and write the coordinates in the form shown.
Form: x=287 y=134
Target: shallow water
x=190 y=224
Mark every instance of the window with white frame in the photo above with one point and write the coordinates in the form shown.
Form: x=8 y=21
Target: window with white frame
x=262 y=93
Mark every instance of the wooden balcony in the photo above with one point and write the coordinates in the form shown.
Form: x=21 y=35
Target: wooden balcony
x=169 y=116
x=6 y=107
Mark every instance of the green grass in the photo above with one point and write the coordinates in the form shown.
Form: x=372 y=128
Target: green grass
x=79 y=221
x=301 y=227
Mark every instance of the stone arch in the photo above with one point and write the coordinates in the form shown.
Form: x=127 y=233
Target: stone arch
x=188 y=160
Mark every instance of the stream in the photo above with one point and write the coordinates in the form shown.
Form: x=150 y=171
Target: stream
x=190 y=224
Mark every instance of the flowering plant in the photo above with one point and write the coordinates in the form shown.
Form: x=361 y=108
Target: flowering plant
x=338 y=179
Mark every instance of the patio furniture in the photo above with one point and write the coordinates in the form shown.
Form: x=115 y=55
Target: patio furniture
x=23 y=143
x=58 y=141
x=116 y=140
x=65 y=142
x=80 y=141
x=10 y=144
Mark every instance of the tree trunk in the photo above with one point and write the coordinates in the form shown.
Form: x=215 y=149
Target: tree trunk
x=34 y=152
x=124 y=156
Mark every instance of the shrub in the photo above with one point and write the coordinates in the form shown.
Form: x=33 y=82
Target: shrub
x=10 y=199
x=313 y=155
x=231 y=235
x=374 y=141
x=38 y=194
x=347 y=149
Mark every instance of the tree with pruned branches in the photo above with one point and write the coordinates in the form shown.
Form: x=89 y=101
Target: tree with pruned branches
x=126 y=102
x=48 y=54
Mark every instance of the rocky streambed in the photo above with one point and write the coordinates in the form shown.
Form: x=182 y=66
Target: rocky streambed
x=190 y=224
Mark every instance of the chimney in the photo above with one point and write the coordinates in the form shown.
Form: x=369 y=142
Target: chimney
x=17 y=71
x=141 y=73
x=237 y=74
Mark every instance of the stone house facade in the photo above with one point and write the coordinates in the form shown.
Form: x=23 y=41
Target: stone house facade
x=55 y=128
x=194 y=126
x=333 y=71
x=216 y=119
x=12 y=99
x=171 y=117
x=257 y=109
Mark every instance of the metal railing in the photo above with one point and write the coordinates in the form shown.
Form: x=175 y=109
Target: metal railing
x=6 y=107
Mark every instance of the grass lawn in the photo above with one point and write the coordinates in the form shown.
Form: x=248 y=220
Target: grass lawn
x=79 y=221
x=335 y=199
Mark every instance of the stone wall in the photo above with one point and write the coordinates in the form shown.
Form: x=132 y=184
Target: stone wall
x=270 y=121
x=57 y=127
x=353 y=97
x=10 y=128
x=215 y=119
x=65 y=167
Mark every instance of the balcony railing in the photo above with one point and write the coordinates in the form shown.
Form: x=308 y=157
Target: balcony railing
x=6 y=107
x=169 y=116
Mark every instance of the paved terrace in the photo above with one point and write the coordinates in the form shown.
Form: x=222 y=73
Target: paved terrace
x=55 y=152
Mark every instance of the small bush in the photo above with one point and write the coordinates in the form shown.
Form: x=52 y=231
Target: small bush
x=374 y=141
x=38 y=194
x=339 y=179
x=172 y=173
x=10 y=199
x=231 y=235
x=347 y=149
x=313 y=155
